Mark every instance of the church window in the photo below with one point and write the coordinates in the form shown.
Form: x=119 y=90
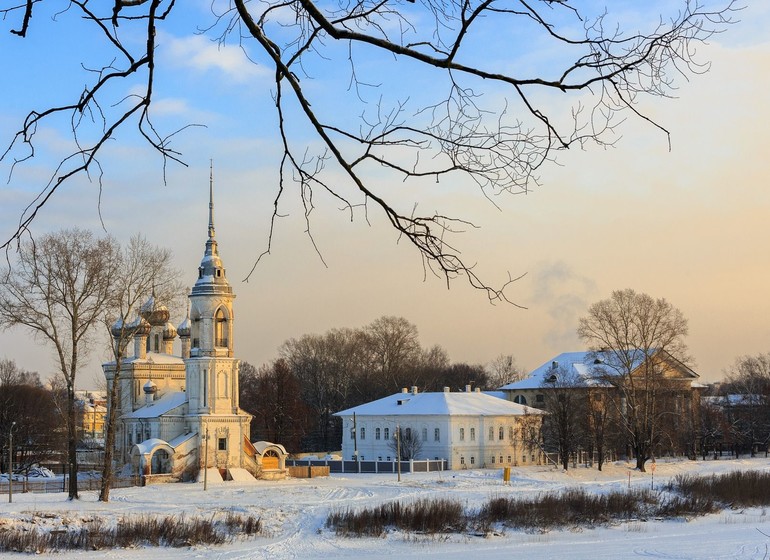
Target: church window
x=462 y=434
x=387 y=433
x=436 y=434
x=157 y=343
x=473 y=434
x=491 y=433
x=501 y=434
x=377 y=435
x=220 y=337
x=222 y=444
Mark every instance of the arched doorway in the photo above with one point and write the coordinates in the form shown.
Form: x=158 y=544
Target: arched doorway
x=160 y=462
x=270 y=460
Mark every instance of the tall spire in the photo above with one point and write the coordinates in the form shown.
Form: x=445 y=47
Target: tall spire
x=211 y=272
x=211 y=199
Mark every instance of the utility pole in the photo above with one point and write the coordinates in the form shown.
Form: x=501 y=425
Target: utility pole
x=10 y=463
x=398 y=450
x=355 y=438
x=206 y=461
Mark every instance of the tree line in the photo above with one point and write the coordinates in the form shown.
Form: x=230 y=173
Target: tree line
x=294 y=397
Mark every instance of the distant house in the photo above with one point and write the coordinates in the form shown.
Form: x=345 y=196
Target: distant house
x=468 y=429
x=598 y=376
x=594 y=370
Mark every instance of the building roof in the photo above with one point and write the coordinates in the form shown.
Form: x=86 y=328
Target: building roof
x=163 y=405
x=152 y=358
x=439 y=404
x=588 y=369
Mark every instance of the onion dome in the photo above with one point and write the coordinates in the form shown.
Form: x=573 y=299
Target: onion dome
x=140 y=326
x=150 y=388
x=169 y=332
x=183 y=330
x=116 y=330
x=155 y=314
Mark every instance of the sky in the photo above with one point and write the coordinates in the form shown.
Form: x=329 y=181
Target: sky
x=688 y=223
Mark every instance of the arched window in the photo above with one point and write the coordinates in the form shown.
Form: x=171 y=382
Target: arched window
x=220 y=322
x=520 y=399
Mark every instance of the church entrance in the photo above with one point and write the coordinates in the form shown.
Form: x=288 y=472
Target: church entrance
x=270 y=460
x=160 y=463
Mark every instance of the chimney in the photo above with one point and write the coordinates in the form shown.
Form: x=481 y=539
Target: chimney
x=414 y=389
x=446 y=389
x=404 y=390
x=478 y=390
x=467 y=388
x=554 y=364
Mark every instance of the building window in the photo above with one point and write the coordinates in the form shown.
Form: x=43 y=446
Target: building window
x=377 y=435
x=523 y=458
x=387 y=433
x=491 y=433
x=520 y=399
x=501 y=434
x=493 y=459
x=352 y=433
x=539 y=398
x=510 y=434
x=220 y=324
x=222 y=444
x=436 y=434
x=462 y=460
x=501 y=459
x=473 y=460
x=462 y=433
x=379 y=458
x=509 y=458
x=363 y=432
x=425 y=434
x=473 y=434
x=408 y=433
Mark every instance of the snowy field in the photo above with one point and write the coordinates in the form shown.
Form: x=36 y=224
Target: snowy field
x=294 y=512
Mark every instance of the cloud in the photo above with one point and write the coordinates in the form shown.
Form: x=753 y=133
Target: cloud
x=204 y=55
x=564 y=296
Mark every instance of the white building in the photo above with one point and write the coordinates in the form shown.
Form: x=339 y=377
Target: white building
x=179 y=414
x=467 y=429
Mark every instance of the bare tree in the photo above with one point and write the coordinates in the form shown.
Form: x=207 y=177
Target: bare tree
x=11 y=374
x=748 y=379
x=503 y=370
x=636 y=340
x=564 y=395
x=496 y=142
x=142 y=271
x=407 y=442
x=58 y=288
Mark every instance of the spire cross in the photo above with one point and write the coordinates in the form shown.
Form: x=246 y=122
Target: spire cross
x=211 y=200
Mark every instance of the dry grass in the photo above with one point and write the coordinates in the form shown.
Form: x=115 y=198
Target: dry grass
x=735 y=489
x=145 y=530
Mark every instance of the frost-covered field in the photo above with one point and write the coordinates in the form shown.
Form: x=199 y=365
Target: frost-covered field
x=294 y=512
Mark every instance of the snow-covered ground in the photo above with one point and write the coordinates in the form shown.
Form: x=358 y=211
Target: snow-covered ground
x=294 y=512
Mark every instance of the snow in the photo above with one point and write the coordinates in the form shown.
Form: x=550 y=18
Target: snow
x=439 y=404
x=166 y=403
x=294 y=512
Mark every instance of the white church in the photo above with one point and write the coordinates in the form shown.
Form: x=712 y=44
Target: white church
x=178 y=416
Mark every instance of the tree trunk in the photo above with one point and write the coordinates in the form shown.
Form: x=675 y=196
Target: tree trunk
x=72 y=444
x=109 y=440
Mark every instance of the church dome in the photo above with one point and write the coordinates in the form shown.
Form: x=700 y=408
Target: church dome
x=155 y=314
x=140 y=326
x=150 y=388
x=169 y=332
x=183 y=330
x=117 y=330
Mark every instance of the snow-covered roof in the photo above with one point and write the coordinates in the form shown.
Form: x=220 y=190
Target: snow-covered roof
x=163 y=405
x=154 y=358
x=149 y=444
x=262 y=446
x=585 y=368
x=735 y=400
x=439 y=404
x=180 y=439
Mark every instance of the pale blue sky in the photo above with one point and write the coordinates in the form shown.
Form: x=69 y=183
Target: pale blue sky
x=690 y=225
